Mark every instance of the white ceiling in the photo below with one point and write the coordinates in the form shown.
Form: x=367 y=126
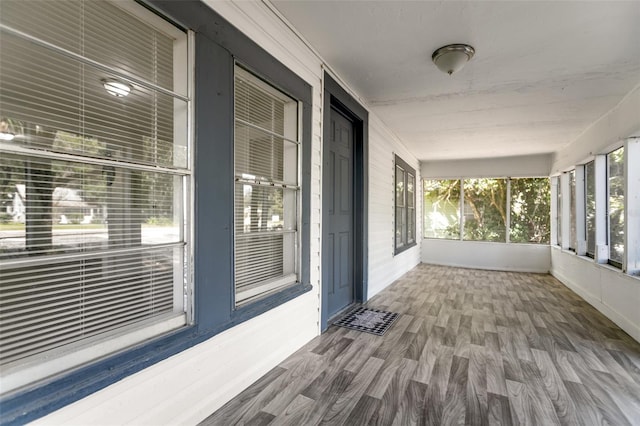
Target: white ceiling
x=542 y=73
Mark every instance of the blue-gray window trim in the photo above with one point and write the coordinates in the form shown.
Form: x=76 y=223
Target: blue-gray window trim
x=217 y=46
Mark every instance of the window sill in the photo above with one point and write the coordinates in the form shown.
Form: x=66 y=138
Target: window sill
x=404 y=248
x=604 y=266
x=490 y=242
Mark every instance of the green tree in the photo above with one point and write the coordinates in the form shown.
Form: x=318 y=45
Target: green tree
x=530 y=207
x=616 y=205
x=485 y=209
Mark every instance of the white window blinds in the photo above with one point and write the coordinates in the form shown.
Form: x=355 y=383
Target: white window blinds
x=93 y=218
x=267 y=190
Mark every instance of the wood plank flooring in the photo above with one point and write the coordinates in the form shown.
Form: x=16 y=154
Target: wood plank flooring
x=470 y=347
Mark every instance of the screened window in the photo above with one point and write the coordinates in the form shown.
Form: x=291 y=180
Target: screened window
x=573 y=239
x=615 y=210
x=530 y=207
x=266 y=189
x=93 y=177
x=559 y=212
x=590 y=207
x=405 y=211
x=485 y=209
x=442 y=209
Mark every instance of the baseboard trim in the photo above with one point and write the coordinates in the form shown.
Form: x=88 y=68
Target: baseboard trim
x=620 y=320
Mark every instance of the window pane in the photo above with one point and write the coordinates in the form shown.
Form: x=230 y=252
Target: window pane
x=57 y=207
x=266 y=191
x=45 y=93
x=411 y=225
x=400 y=178
x=559 y=213
x=573 y=240
x=99 y=30
x=616 y=205
x=400 y=226
x=485 y=202
x=411 y=212
x=590 y=207
x=442 y=209
x=45 y=306
x=530 y=207
x=92 y=242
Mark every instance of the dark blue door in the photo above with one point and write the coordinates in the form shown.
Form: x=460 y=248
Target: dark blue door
x=338 y=273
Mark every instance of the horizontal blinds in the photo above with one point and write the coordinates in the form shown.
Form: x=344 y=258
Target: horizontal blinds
x=44 y=92
x=97 y=30
x=49 y=305
x=266 y=216
x=55 y=207
x=92 y=185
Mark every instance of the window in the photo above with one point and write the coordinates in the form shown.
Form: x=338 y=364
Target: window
x=573 y=239
x=405 y=211
x=485 y=209
x=94 y=174
x=559 y=212
x=615 y=206
x=590 y=207
x=266 y=189
x=442 y=209
x=530 y=207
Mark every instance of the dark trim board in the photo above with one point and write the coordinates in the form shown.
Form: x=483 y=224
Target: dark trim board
x=338 y=98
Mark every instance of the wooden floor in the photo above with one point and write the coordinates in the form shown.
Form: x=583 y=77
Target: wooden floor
x=470 y=347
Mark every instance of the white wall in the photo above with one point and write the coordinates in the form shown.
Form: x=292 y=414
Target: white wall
x=384 y=267
x=187 y=387
x=487 y=255
x=613 y=293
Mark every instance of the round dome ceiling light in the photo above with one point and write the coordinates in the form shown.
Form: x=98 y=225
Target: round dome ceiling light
x=453 y=57
x=116 y=88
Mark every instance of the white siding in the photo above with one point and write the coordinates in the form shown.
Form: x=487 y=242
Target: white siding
x=384 y=267
x=187 y=387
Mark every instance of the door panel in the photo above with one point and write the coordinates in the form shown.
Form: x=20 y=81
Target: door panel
x=338 y=244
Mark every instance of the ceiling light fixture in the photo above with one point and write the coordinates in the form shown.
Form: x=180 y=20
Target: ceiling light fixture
x=116 y=88
x=453 y=57
x=6 y=136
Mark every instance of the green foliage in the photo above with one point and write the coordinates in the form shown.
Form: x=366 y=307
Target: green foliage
x=530 y=207
x=160 y=221
x=485 y=209
x=441 y=208
x=616 y=204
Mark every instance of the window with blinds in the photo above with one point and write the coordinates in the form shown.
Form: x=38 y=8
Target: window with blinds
x=266 y=145
x=94 y=174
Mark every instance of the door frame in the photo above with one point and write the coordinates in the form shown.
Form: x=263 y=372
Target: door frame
x=338 y=98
